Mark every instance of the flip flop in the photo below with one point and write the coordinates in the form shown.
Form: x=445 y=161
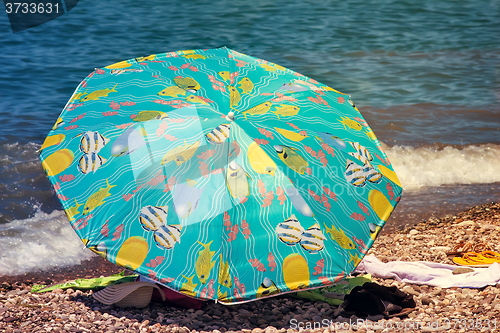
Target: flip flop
x=472 y=259
x=491 y=255
x=460 y=248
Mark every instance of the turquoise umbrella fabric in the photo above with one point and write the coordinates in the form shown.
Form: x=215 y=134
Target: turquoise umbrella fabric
x=220 y=175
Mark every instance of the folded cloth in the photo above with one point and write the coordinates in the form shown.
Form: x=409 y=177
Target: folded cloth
x=429 y=273
x=372 y=299
x=87 y=284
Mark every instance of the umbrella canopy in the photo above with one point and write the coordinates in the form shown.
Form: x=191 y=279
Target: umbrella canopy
x=220 y=175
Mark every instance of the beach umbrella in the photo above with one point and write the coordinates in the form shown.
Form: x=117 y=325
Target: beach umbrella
x=220 y=175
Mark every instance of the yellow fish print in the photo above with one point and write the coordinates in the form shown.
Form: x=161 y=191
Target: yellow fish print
x=97 y=199
x=95 y=95
x=188 y=287
x=195 y=99
x=267 y=288
x=119 y=65
x=246 y=85
x=355 y=259
x=58 y=123
x=149 y=57
x=292 y=159
x=187 y=84
x=350 y=123
x=72 y=211
x=77 y=96
x=224 y=276
x=285 y=110
x=340 y=237
x=204 y=263
x=259 y=109
x=172 y=91
x=150 y=115
x=234 y=96
x=181 y=154
x=57 y=162
x=369 y=133
x=224 y=75
x=268 y=67
x=52 y=140
x=221 y=296
x=260 y=161
x=326 y=88
x=290 y=135
x=194 y=56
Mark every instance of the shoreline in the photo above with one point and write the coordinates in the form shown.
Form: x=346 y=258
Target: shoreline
x=77 y=311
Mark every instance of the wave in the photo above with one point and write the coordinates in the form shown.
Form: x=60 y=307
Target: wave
x=431 y=166
x=39 y=243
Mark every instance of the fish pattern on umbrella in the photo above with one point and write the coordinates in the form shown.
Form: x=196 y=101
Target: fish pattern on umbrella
x=154 y=177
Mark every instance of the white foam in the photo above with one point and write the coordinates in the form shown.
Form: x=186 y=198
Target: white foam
x=425 y=166
x=38 y=243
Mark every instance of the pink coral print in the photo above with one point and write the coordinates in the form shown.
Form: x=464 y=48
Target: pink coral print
x=281 y=97
x=123 y=126
x=118 y=232
x=281 y=195
x=78 y=118
x=170 y=184
x=318 y=100
x=70 y=127
x=294 y=126
x=261 y=141
x=257 y=264
x=363 y=208
x=227 y=221
x=166 y=280
x=173 y=68
x=211 y=289
x=390 y=191
x=206 y=154
x=232 y=234
x=66 y=178
x=318 y=269
x=155 y=262
x=341 y=100
x=109 y=113
x=268 y=199
x=127 y=103
x=245 y=229
x=272 y=261
x=239 y=290
x=152 y=275
x=105 y=229
x=71 y=107
x=114 y=105
x=358 y=217
x=330 y=193
x=266 y=133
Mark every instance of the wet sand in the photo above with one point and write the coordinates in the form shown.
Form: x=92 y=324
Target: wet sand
x=76 y=311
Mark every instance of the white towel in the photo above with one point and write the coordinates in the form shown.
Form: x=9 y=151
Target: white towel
x=429 y=273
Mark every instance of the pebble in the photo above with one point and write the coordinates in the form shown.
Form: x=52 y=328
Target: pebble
x=76 y=311
x=462 y=270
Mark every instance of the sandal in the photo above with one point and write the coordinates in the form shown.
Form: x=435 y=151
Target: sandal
x=491 y=255
x=473 y=259
x=460 y=248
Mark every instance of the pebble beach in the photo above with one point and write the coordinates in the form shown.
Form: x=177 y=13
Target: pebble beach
x=438 y=309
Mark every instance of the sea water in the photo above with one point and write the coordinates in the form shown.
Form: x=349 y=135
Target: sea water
x=424 y=75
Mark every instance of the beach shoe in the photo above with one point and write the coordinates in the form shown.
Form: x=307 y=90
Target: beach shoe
x=473 y=259
x=492 y=255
